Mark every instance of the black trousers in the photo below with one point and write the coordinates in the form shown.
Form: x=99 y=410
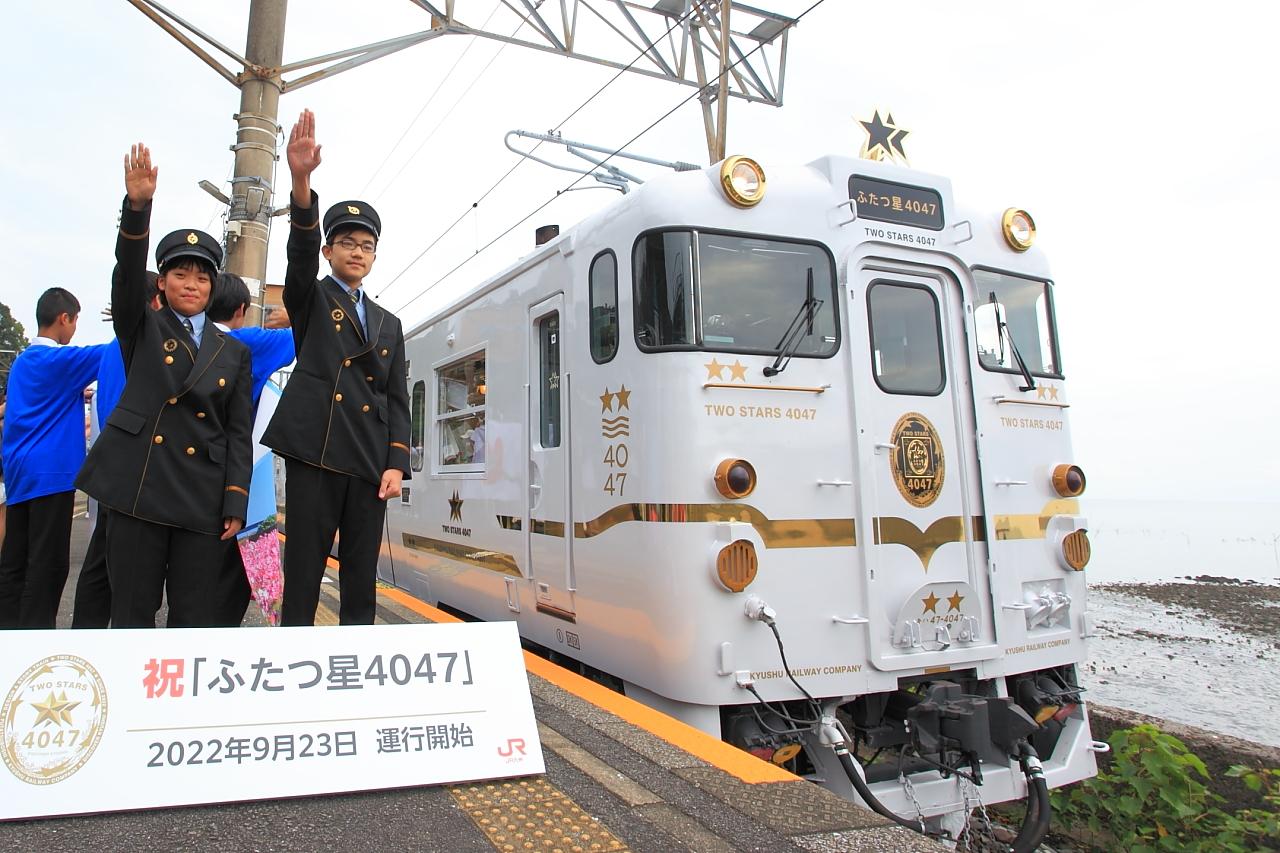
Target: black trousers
x=233 y=592
x=319 y=503
x=93 y=588
x=147 y=561
x=35 y=560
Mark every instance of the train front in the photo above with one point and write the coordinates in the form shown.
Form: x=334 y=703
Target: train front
x=864 y=403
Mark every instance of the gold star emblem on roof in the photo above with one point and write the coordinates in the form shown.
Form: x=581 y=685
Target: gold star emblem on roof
x=930 y=603
x=884 y=139
x=953 y=601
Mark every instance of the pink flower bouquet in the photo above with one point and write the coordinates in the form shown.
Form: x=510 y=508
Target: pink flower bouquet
x=260 y=551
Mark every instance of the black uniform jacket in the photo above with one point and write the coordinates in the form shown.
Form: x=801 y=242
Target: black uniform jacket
x=177 y=449
x=346 y=406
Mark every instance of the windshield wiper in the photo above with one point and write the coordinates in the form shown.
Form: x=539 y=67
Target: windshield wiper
x=800 y=328
x=1002 y=329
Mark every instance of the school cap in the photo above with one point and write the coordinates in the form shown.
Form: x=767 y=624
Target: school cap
x=352 y=213
x=188 y=243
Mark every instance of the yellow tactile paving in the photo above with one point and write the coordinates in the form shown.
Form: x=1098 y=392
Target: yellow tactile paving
x=532 y=814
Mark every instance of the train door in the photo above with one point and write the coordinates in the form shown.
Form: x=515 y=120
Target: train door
x=549 y=516
x=925 y=552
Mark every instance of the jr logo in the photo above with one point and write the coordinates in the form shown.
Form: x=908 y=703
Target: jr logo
x=514 y=745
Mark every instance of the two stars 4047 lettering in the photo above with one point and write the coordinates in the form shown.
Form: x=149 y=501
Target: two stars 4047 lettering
x=183 y=677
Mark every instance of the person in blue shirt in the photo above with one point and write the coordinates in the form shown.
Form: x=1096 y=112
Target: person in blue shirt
x=44 y=446
x=270 y=350
x=92 y=607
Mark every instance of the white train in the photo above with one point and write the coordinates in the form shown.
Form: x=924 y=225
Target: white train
x=830 y=407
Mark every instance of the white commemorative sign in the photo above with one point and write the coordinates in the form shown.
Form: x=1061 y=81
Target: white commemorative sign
x=104 y=720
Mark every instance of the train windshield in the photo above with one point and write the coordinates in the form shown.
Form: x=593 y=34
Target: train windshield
x=700 y=290
x=1013 y=318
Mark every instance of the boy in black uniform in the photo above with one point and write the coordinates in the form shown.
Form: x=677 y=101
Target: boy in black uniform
x=173 y=461
x=342 y=424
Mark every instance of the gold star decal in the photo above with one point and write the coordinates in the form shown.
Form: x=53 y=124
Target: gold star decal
x=1053 y=393
x=1041 y=391
x=455 y=507
x=606 y=400
x=953 y=601
x=624 y=398
x=930 y=603
x=54 y=710
x=715 y=370
x=737 y=370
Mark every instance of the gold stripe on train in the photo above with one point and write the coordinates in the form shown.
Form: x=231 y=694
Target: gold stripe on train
x=494 y=561
x=890 y=530
x=776 y=533
x=1033 y=525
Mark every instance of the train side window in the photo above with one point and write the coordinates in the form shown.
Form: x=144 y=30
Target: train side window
x=906 y=339
x=549 y=380
x=418 y=424
x=1025 y=307
x=460 y=414
x=663 y=264
x=604 y=307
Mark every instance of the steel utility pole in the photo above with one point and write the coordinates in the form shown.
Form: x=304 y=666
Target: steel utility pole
x=655 y=41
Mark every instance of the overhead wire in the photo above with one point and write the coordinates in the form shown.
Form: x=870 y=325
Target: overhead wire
x=520 y=162
x=434 y=92
x=459 y=99
x=573 y=183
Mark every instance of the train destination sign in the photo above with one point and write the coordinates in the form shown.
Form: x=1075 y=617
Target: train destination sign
x=901 y=204
x=95 y=721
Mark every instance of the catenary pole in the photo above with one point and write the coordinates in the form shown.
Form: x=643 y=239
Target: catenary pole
x=257 y=136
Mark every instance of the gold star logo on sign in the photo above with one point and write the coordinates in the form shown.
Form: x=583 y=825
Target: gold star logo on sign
x=43 y=742
x=884 y=139
x=192 y=238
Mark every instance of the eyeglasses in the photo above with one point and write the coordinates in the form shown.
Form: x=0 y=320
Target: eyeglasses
x=347 y=244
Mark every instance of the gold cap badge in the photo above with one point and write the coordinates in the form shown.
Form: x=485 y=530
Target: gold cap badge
x=192 y=238
x=353 y=210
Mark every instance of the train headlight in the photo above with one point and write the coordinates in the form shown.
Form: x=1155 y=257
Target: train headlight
x=1019 y=229
x=742 y=180
x=1068 y=481
x=735 y=478
x=737 y=564
x=1076 y=549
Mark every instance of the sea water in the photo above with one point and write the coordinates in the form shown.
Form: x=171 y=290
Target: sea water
x=1146 y=540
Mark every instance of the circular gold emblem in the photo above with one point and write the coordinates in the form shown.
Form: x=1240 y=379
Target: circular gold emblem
x=337 y=315
x=192 y=238
x=917 y=461
x=353 y=210
x=170 y=345
x=53 y=719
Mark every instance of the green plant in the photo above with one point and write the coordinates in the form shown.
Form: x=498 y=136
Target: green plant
x=1153 y=798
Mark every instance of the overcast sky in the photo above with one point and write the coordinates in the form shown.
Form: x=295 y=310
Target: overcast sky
x=1137 y=134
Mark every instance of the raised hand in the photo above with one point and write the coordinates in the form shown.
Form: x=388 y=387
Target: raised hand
x=303 y=153
x=139 y=176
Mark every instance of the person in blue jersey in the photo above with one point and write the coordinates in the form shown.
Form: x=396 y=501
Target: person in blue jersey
x=270 y=350
x=92 y=608
x=44 y=446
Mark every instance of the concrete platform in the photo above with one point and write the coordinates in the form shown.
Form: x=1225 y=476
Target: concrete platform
x=620 y=777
